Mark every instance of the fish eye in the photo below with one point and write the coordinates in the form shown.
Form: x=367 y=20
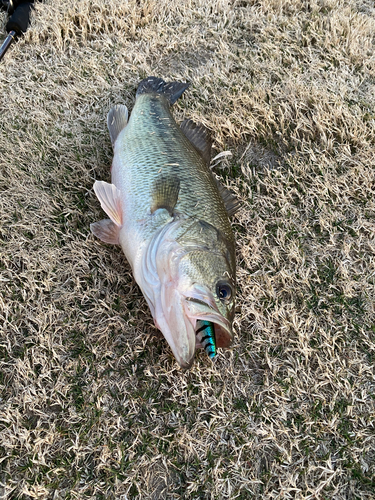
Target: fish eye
x=224 y=291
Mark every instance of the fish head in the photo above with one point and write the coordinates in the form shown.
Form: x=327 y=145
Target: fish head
x=209 y=291
x=195 y=269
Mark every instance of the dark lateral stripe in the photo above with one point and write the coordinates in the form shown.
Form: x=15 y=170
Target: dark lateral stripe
x=202 y=328
x=207 y=337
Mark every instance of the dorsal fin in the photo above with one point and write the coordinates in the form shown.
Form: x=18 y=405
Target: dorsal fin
x=165 y=193
x=199 y=136
x=231 y=203
x=117 y=119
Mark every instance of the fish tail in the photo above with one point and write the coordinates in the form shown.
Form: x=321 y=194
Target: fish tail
x=153 y=85
x=206 y=336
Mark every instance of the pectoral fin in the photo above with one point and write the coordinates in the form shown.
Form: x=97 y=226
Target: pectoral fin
x=165 y=193
x=110 y=200
x=106 y=230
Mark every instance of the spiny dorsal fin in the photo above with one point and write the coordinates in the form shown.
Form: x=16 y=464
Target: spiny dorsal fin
x=165 y=193
x=231 y=203
x=153 y=85
x=117 y=119
x=199 y=136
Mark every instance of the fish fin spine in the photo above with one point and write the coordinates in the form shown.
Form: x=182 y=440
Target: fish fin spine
x=107 y=231
x=110 y=200
x=153 y=85
x=117 y=119
x=199 y=136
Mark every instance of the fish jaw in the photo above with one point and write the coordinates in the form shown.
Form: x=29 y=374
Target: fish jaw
x=176 y=326
x=156 y=272
x=167 y=306
x=200 y=305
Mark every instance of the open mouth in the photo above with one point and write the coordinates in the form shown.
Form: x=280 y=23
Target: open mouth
x=205 y=309
x=177 y=315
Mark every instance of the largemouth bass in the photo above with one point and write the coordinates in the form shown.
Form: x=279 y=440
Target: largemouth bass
x=170 y=216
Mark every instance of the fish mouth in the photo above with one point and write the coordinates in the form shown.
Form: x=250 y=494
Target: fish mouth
x=177 y=319
x=205 y=308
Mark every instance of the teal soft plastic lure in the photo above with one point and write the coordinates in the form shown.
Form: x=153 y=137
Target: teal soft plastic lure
x=206 y=336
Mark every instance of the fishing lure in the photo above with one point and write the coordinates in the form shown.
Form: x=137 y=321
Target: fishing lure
x=206 y=336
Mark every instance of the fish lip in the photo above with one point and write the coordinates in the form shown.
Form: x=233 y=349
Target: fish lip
x=186 y=359
x=183 y=362
x=202 y=303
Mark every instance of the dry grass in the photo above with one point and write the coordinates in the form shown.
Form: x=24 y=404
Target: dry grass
x=93 y=404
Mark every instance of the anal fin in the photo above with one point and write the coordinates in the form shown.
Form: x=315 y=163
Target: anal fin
x=110 y=200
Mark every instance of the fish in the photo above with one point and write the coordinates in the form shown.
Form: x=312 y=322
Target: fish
x=205 y=334
x=170 y=215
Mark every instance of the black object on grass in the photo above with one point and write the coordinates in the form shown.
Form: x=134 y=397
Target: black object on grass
x=11 y=5
x=17 y=23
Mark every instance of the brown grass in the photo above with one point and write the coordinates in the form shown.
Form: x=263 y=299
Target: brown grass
x=93 y=404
